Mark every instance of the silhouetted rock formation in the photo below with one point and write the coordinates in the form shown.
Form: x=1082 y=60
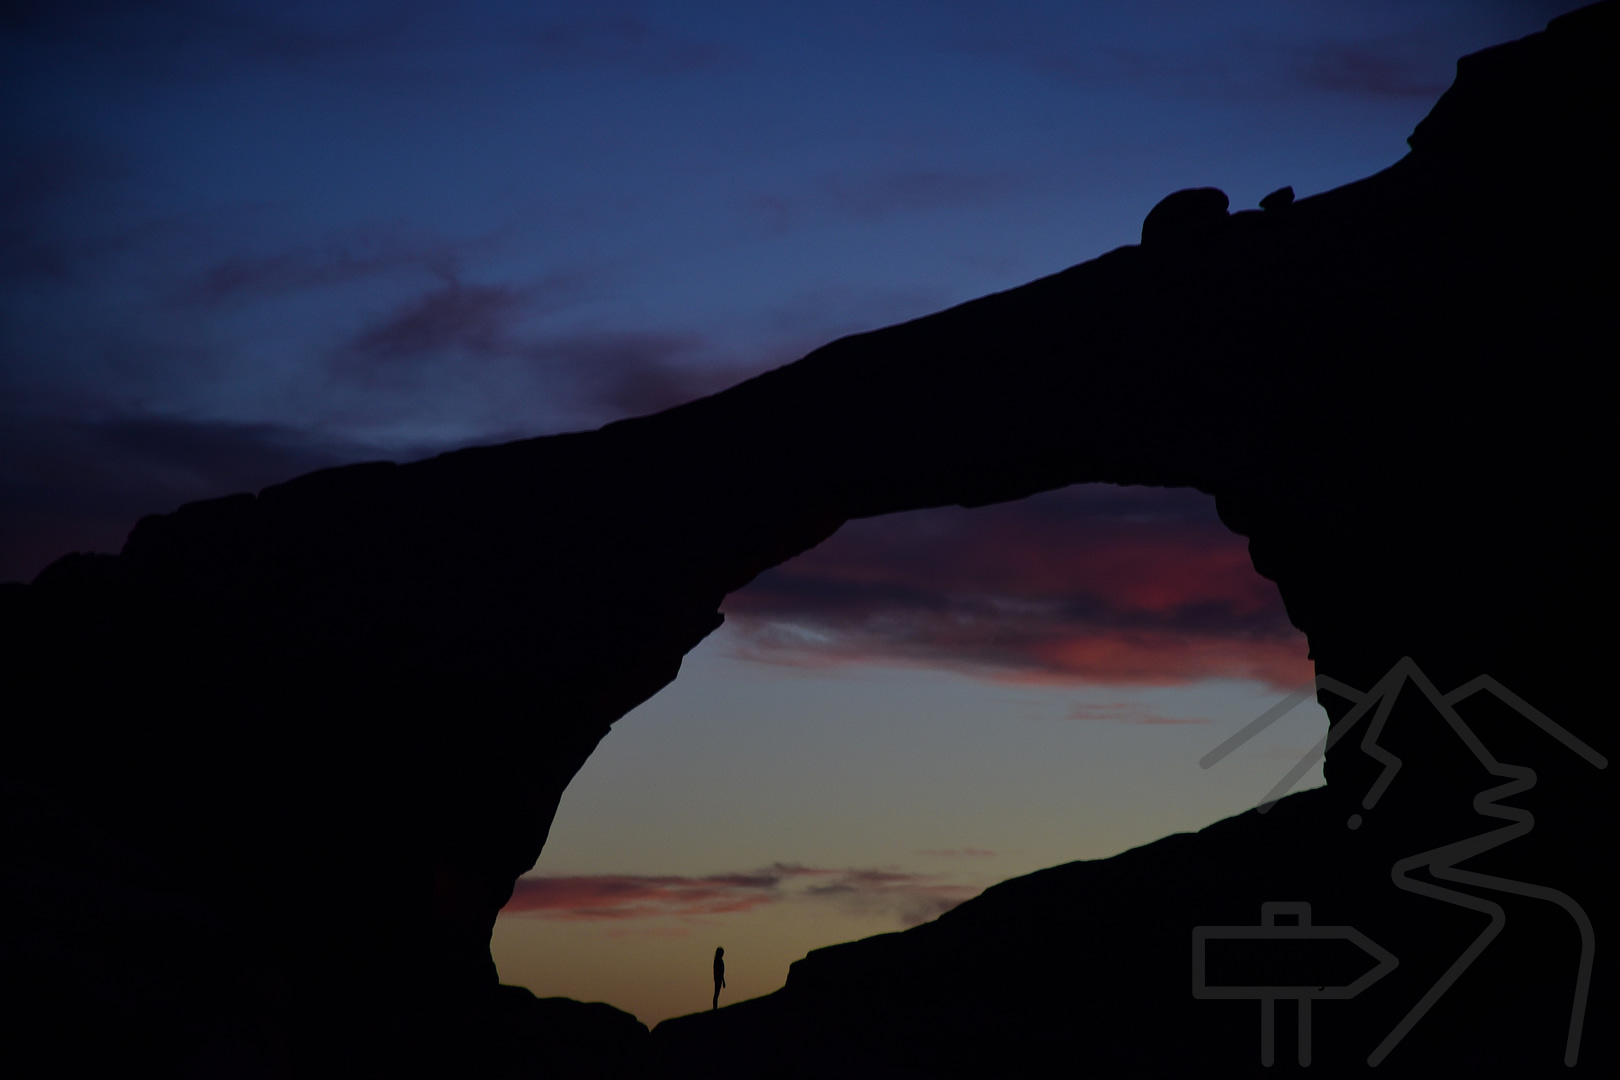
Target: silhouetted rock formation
x=320 y=731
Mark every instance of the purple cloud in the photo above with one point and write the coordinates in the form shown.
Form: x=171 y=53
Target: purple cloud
x=455 y=318
x=472 y=318
x=632 y=374
x=362 y=253
x=1380 y=68
x=606 y=374
x=909 y=897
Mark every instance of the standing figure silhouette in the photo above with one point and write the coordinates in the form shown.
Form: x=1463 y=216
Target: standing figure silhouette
x=719 y=976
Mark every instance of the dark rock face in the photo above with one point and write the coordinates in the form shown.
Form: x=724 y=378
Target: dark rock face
x=1186 y=219
x=315 y=734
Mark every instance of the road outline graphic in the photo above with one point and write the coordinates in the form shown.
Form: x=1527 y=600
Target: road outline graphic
x=1441 y=862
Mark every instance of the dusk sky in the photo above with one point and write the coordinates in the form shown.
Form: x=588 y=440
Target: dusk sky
x=244 y=240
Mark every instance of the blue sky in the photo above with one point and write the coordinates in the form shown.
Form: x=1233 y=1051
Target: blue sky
x=242 y=240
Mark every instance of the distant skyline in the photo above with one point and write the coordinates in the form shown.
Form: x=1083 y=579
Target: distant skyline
x=243 y=240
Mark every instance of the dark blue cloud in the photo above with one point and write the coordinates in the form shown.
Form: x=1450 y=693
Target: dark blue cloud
x=912 y=190
x=632 y=374
x=353 y=255
x=599 y=373
x=455 y=317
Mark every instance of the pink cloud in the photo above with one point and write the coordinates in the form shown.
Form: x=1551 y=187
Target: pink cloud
x=912 y=898
x=1098 y=585
x=626 y=896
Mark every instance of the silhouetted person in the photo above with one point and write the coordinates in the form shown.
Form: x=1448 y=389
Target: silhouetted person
x=719 y=976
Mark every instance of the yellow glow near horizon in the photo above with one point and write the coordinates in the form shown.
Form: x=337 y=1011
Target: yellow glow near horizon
x=741 y=765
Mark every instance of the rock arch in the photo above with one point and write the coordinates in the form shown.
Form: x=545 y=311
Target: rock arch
x=331 y=722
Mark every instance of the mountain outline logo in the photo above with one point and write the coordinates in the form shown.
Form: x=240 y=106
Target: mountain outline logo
x=1441 y=862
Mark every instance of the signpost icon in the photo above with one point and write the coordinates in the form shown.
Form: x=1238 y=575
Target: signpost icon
x=1296 y=988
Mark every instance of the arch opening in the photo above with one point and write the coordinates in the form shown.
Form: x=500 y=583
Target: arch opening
x=924 y=705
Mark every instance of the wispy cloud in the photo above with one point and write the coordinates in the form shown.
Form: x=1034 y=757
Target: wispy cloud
x=1130 y=713
x=958 y=853
x=631 y=374
x=1380 y=68
x=913 y=898
x=454 y=319
x=356 y=255
x=455 y=316
x=627 y=896
x=600 y=375
x=910 y=897
x=1146 y=589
